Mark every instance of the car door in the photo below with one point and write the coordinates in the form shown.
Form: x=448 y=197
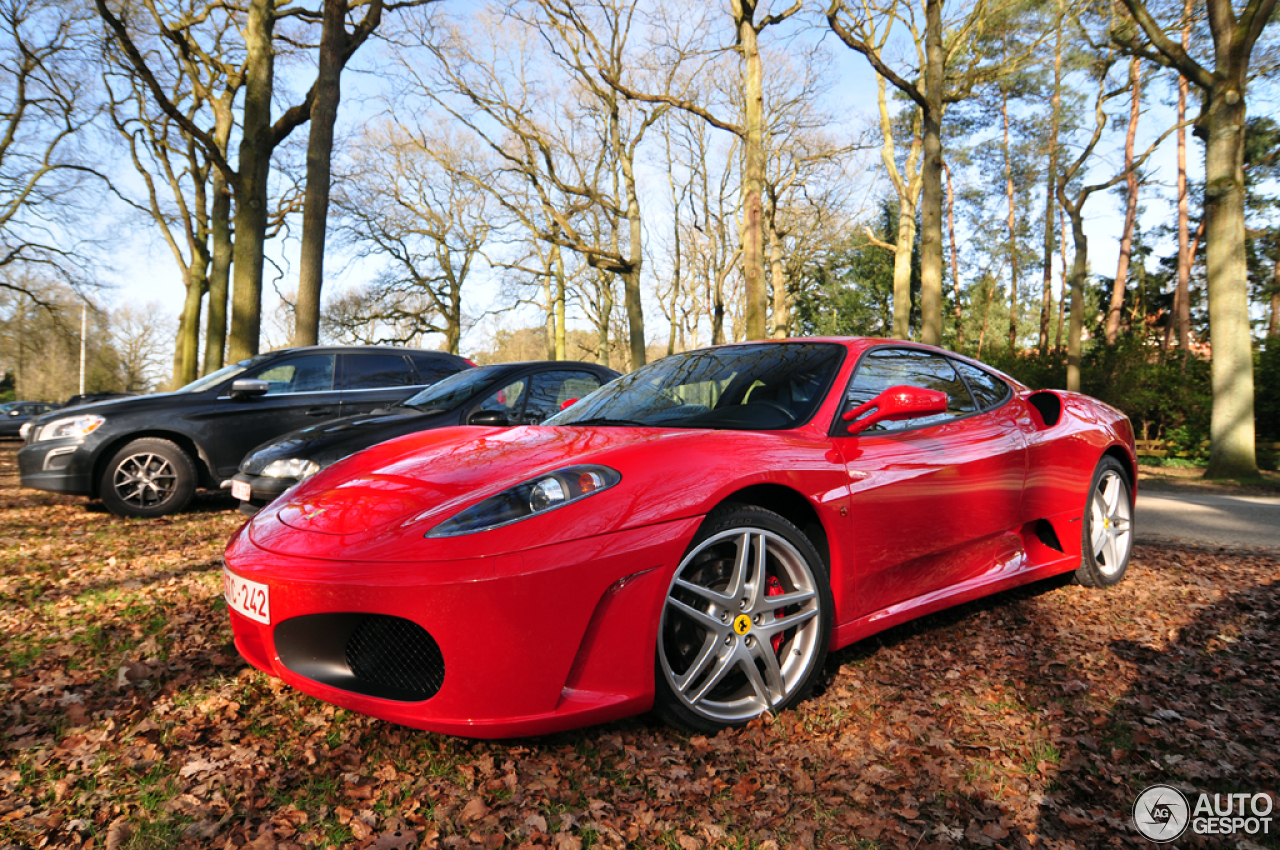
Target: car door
x=549 y=390
x=372 y=379
x=300 y=392
x=932 y=498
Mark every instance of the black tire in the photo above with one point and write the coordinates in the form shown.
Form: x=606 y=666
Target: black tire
x=149 y=477
x=719 y=629
x=1106 y=540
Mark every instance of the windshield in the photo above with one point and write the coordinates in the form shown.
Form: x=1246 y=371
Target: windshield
x=760 y=387
x=455 y=389
x=214 y=378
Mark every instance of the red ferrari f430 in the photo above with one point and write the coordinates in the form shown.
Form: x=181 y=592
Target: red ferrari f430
x=692 y=538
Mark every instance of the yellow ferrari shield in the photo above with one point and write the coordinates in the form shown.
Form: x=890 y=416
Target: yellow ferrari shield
x=742 y=624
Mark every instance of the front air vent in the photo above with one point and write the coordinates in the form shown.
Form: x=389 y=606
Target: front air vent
x=371 y=654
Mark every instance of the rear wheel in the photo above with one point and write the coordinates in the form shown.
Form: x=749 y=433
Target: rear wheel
x=746 y=622
x=148 y=478
x=1108 y=527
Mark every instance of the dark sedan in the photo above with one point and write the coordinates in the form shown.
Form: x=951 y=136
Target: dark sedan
x=503 y=394
x=145 y=456
x=15 y=414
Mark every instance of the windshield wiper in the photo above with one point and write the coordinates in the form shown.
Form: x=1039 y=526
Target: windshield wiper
x=608 y=420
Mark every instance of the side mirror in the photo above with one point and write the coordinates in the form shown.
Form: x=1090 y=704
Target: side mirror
x=894 y=405
x=568 y=403
x=488 y=417
x=246 y=388
x=13 y=413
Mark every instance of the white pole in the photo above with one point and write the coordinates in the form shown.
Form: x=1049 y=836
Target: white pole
x=84 y=322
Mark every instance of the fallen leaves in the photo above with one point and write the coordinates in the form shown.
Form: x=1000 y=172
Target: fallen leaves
x=1030 y=719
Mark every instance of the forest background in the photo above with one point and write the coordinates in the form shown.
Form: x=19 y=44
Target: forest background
x=192 y=181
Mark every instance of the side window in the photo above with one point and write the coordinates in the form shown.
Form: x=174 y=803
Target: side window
x=549 y=390
x=310 y=374
x=375 y=371
x=987 y=389
x=432 y=368
x=506 y=400
x=892 y=367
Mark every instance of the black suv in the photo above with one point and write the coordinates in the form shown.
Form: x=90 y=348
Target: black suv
x=146 y=456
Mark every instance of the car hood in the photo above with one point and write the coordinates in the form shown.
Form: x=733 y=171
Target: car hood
x=117 y=406
x=330 y=441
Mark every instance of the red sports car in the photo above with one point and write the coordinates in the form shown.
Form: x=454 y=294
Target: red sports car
x=692 y=537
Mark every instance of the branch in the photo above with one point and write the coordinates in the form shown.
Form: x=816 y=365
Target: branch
x=909 y=89
x=1177 y=57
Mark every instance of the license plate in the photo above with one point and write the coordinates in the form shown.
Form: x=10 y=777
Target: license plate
x=242 y=490
x=249 y=598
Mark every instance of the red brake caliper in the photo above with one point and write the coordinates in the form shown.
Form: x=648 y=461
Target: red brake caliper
x=773 y=587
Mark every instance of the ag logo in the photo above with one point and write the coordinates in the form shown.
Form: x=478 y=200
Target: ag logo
x=1161 y=813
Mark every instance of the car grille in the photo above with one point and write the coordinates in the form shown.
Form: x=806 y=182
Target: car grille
x=371 y=654
x=396 y=654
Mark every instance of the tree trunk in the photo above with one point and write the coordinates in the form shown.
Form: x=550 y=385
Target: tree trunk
x=186 y=354
x=931 y=181
x=1050 y=195
x=1079 y=271
x=904 y=247
x=1116 y=311
x=753 y=170
x=1062 y=299
x=561 y=285
x=955 y=261
x=1232 y=453
x=251 y=190
x=1182 y=297
x=215 y=335
x=631 y=280
x=315 y=209
x=1011 y=223
x=1273 y=324
x=778 y=272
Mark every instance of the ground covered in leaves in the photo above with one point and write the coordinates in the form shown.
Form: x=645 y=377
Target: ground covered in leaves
x=1030 y=719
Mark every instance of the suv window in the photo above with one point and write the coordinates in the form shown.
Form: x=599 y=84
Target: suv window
x=309 y=374
x=375 y=371
x=987 y=388
x=433 y=367
x=891 y=367
x=549 y=390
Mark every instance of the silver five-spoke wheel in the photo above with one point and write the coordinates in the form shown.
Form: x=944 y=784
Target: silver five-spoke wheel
x=1108 y=527
x=745 y=621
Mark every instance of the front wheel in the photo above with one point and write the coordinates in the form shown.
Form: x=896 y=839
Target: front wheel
x=148 y=478
x=1108 y=527
x=745 y=624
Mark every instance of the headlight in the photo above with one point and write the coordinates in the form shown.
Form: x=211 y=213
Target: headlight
x=24 y=430
x=535 y=496
x=291 y=467
x=71 y=426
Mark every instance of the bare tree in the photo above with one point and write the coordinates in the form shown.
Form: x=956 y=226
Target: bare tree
x=140 y=336
x=426 y=222
x=46 y=100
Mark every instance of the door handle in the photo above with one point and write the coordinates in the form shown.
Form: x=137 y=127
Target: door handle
x=319 y=411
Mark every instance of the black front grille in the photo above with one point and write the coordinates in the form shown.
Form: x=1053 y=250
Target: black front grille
x=371 y=654
x=396 y=654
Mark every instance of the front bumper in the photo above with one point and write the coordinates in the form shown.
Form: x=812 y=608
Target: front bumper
x=533 y=642
x=264 y=490
x=58 y=466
